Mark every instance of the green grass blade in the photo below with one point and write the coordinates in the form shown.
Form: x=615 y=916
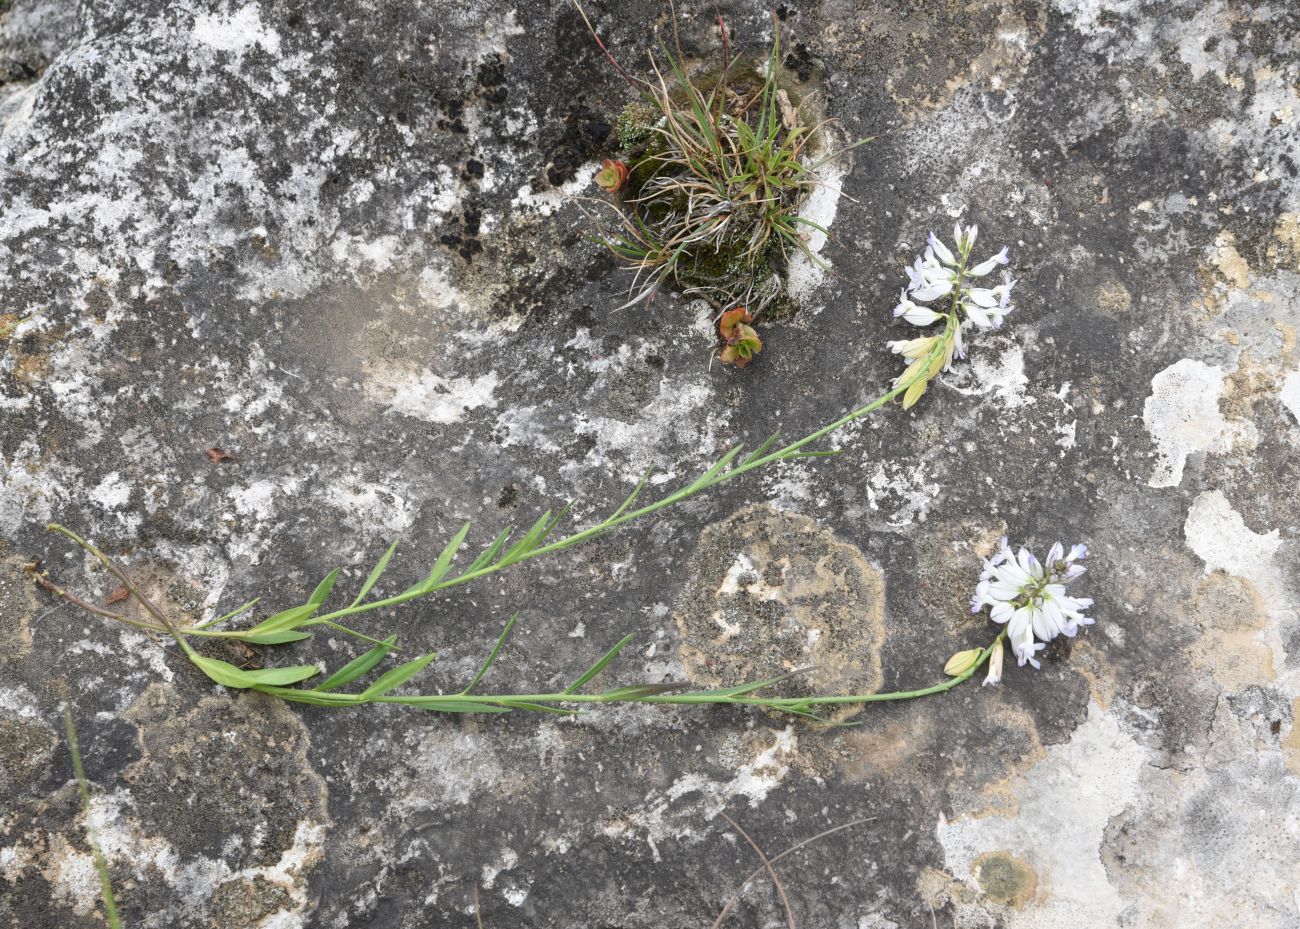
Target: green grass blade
x=445 y=705
x=741 y=690
x=227 y=675
x=285 y=620
x=443 y=564
x=489 y=554
x=270 y=638
x=312 y=697
x=631 y=498
x=533 y=707
x=639 y=691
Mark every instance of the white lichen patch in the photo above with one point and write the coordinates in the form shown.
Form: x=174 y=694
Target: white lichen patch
x=1065 y=803
x=806 y=273
x=428 y=396
x=1183 y=417
x=1290 y=394
x=664 y=815
x=1000 y=377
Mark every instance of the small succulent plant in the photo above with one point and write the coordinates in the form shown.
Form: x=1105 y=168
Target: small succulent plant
x=740 y=342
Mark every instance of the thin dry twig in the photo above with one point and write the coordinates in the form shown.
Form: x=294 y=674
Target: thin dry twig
x=776 y=881
x=735 y=897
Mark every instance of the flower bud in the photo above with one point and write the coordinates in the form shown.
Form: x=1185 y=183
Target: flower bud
x=962 y=662
x=995 y=664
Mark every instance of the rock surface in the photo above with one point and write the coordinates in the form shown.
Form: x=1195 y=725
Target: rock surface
x=344 y=243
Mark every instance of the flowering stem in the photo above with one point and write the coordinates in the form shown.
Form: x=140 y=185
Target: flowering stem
x=465 y=702
x=793 y=450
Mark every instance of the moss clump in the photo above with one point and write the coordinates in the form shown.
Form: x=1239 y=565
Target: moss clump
x=635 y=124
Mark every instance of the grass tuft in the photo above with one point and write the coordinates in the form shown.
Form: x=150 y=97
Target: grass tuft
x=720 y=162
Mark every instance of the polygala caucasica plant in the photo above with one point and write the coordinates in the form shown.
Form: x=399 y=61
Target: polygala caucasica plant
x=1027 y=596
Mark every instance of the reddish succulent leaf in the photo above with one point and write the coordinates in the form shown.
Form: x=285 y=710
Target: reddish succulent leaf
x=731 y=319
x=612 y=176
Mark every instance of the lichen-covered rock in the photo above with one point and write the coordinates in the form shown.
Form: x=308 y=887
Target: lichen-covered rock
x=345 y=244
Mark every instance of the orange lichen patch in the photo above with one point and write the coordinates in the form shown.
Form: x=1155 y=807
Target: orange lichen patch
x=1284 y=252
x=1251 y=381
x=17 y=608
x=1005 y=879
x=1231 y=613
x=1231 y=266
x=1114 y=297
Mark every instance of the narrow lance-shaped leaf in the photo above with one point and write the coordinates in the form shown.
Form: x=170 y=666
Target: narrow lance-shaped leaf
x=270 y=638
x=443 y=564
x=638 y=691
x=489 y=554
x=398 y=676
x=357 y=667
x=522 y=546
x=492 y=656
x=599 y=665
x=375 y=574
x=285 y=619
x=741 y=690
x=231 y=615
x=448 y=705
x=631 y=498
x=322 y=591
x=226 y=674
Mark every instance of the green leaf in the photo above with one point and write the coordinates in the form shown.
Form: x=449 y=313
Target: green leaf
x=231 y=615
x=599 y=665
x=443 y=564
x=323 y=589
x=532 y=707
x=270 y=638
x=226 y=674
x=637 y=691
x=631 y=498
x=489 y=554
x=444 y=705
x=285 y=619
x=313 y=697
x=397 y=677
x=741 y=690
x=762 y=449
x=358 y=667
x=374 y=574
x=492 y=657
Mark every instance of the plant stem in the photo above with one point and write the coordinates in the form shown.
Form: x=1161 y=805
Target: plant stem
x=97 y=853
x=456 y=702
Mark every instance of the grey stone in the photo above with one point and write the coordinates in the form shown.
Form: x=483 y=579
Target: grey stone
x=345 y=244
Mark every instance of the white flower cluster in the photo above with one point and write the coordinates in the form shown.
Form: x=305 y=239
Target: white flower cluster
x=937 y=273
x=1029 y=596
